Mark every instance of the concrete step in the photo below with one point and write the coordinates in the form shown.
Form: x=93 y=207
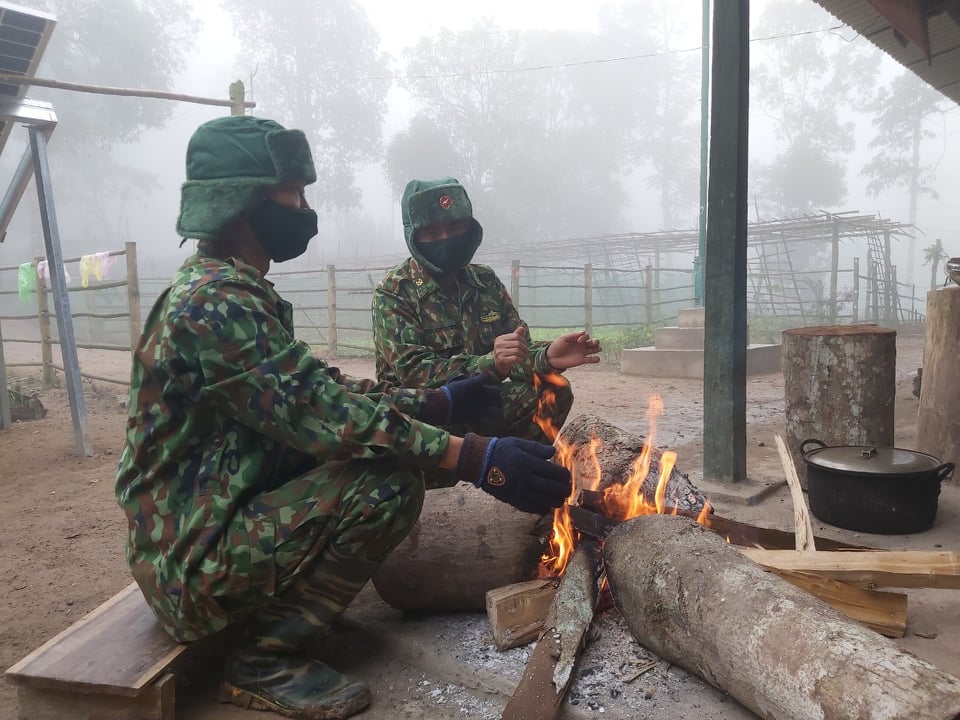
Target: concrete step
x=690 y=317
x=655 y=362
x=678 y=338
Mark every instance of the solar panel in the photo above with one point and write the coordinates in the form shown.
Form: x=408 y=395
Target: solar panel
x=24 y=34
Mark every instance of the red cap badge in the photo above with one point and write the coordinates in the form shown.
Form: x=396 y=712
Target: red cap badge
x=446 y=202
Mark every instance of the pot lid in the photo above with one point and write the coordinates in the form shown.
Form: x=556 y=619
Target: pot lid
x=876 y=460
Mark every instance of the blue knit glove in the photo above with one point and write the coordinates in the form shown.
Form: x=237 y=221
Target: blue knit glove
x=518 y=472
x=473 y=400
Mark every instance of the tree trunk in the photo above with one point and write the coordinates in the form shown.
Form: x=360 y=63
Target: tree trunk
x=615 y=460
x=938 y=425
x=694 y=600
x=465 y=543
x=839 y=386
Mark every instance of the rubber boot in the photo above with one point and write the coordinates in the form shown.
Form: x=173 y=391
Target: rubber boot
x=273 y=669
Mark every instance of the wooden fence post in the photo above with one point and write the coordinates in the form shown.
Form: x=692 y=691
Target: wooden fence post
x=856 y=289
x=4 y=394
x=43 y=317
x=588 y=298
x=134 y=323
x=892 y=314
x=648 y=295
x=834 y=264
x=332 y=309
x=515 y=282
x=874 y=293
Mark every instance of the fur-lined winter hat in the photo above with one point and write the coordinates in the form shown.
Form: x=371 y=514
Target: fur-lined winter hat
x=230 y=161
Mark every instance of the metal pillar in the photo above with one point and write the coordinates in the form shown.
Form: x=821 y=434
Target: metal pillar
x=725 y=262
x=58 y=281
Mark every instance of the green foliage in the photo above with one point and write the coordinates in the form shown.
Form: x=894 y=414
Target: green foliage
x=318 y=67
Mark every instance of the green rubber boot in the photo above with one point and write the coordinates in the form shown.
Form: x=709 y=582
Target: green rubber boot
x=291 y=685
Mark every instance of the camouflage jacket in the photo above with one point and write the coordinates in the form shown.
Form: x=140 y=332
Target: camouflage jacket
x=224 y=402
x=423 y=337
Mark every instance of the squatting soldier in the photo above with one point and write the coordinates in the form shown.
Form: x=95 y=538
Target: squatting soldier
x=261 y=486
x=437 y=316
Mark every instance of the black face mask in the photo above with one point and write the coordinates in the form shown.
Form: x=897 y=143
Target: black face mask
x=283 y=231
x=453 y=253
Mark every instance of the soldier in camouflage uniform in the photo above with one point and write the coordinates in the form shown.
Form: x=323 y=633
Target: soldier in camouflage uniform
x=262 y=487
x=437 y=317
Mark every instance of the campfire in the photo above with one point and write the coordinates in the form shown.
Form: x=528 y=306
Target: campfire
x=617 y=500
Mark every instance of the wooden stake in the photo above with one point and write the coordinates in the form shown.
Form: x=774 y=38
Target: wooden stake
x=801 y=515
x=550 y=669
x=869 y=569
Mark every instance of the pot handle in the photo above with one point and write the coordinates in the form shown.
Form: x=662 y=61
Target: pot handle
x=803 y=445
x=944 y=471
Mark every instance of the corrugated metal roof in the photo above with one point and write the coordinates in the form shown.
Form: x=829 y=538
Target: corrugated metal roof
x=942 y=71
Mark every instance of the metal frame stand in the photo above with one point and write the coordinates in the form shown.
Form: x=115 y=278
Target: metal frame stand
x=41 y=120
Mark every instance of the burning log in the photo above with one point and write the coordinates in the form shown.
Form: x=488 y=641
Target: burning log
x=694 y=600
x=604 y=456
x=464 y=544
x=549 y=671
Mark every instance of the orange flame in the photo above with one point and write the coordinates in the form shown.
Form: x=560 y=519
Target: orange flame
x=621 y=501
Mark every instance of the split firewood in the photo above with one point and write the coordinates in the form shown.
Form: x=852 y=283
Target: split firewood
x=801 y=515
x=549 y=671
x=696 y=601
x=464 y=544
x=869 y=569
x=517 y=612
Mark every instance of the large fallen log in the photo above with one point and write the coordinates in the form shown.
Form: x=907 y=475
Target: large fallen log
x=694 y=600
x=464 y=544
x=549 y=670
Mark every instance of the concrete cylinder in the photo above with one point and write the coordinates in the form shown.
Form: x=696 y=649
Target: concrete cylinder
x=839 y=386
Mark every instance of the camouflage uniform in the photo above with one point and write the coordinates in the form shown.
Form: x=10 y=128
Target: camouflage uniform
x=256 y=480
x=425 y=336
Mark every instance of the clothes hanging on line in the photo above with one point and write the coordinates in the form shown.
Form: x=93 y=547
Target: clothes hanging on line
x=26 y=281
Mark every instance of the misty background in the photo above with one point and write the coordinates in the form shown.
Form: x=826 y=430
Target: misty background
x=562 y=119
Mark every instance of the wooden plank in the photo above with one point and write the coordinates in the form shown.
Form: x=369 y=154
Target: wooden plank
x=517 y=612
x=118 y=648
x=869 y=569
x=803 y=528
x=156 y=702
x=885 y=612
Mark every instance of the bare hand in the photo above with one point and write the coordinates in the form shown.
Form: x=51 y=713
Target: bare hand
x=573 y=349
x=510 y=349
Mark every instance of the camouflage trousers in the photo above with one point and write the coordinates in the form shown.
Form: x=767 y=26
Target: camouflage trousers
x=308 y=547
x=520 y=401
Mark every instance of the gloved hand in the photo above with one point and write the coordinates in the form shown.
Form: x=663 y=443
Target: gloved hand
x=475 y=399
x=518 y=472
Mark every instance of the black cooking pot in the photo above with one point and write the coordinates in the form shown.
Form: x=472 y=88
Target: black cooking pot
x=883 y=490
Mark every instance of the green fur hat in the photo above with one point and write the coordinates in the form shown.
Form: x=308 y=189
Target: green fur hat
x=430 y=202
x=230 y=161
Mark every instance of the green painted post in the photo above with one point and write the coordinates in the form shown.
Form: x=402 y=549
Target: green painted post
x=725 y=261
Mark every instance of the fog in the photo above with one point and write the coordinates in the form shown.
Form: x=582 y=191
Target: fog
x=562 y=119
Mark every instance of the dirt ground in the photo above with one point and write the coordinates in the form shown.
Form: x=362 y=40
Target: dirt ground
x=62 y=535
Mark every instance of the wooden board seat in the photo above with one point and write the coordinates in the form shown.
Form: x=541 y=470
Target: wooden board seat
x=113 y=663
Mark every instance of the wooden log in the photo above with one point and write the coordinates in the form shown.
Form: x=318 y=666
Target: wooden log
x=938 y=426
x=884 y=612
x=464 y=544
x=517 y=612
x=839 y=386
x=549 y=671
x=615 y=458
x=869 y=569
x=696 y=601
